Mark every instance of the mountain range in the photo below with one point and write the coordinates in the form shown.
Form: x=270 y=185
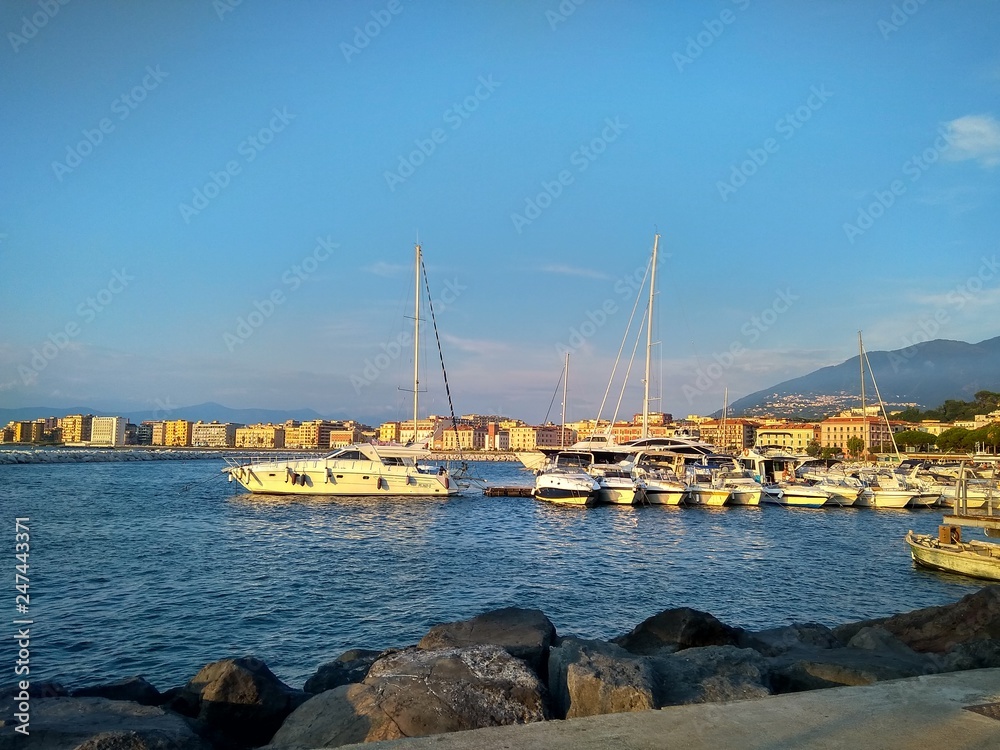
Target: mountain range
x=923 y=375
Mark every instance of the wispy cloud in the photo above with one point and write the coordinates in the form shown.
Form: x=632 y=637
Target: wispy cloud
x=382 y=268
x=562 y=270
x=974 y=137
x=477 y=346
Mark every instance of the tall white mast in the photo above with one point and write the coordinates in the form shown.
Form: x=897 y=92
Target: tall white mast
x=562 y=432
x=649 y=340
x=416 y=341
x=864 y=414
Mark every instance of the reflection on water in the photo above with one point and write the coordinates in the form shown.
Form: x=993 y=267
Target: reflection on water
x=159 y=568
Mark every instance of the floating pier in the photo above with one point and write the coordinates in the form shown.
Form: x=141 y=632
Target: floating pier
x=515 y=491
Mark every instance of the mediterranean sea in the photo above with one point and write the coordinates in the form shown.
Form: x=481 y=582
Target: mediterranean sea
x=156 y=568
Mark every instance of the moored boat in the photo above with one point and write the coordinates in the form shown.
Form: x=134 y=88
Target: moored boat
x=976 y=559
x=566 y=486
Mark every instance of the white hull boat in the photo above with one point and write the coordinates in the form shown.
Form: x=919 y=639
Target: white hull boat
x=356 y=471
x=566 y=487
x=795 y=496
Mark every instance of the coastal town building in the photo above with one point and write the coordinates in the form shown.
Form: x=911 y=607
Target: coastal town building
x=144 y=433
x=108 y=431
x=730 y=435
x=214 y=434
x=792 y=437
x=75 y=428
x=159 y=433
x=261 y=436
x=346 y=436
x=836 y=431
x=177 y=433
x=529 y=437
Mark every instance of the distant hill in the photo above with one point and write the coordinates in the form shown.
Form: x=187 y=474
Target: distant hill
x=926 y=375
x=206 y=412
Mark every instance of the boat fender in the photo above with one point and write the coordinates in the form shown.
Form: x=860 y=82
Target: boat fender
x=378 y=483
x=302 y=479
x=230 y=477
x=293 y=476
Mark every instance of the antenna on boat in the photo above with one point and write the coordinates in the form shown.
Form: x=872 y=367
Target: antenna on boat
x=562 y=429
x=864 y=414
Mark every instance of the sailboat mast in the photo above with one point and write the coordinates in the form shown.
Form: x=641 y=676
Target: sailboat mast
x=416 y=340
x=562 y=432
x=649 y=339
x=864 y=414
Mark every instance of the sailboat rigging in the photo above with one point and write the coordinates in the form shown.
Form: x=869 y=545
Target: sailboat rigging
x=362 y=469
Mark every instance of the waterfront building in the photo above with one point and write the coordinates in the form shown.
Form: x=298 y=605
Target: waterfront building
x=214 y=434
x=836 y=431
x=531 y=437
x=309 y=435
x=177 y=433
x=159 y=433
x=732 y=435
x=107 y=431
x=7 y=433
x=260 y=436
x=144 y=434
x=75 y=428
x=346 y=436
x=460 y=437
x=388 y=432
x=497 y=438
x=426 y=429
x=22 y=432
x=793 y=437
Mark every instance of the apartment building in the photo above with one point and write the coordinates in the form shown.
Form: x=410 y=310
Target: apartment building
x=214 y=434
x=261 y=436
x=108 y=431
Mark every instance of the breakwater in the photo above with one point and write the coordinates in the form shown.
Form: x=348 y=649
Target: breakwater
x=509 y=666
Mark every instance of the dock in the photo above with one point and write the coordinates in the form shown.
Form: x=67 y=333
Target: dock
x=509 y=491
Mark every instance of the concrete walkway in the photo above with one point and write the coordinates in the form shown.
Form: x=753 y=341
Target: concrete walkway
x=921 y=713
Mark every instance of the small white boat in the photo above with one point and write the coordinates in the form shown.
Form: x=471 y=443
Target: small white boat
x=566 y=486
x=793 y=494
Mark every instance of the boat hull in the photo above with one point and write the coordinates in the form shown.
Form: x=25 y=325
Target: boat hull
x=566 y=489
x=713 y=498
x=350 y=479
x=977 y=560
x=793 y=497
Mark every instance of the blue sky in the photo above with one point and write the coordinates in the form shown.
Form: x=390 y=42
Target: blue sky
x=170 y=170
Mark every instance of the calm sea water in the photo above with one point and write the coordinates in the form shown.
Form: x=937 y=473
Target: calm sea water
x=159 y=568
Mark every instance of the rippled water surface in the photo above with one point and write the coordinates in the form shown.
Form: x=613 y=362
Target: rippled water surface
x=159 y=568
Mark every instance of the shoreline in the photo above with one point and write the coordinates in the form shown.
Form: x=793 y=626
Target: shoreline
x=16 y=453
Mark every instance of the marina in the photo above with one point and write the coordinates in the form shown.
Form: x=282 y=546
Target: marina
x=156 y=568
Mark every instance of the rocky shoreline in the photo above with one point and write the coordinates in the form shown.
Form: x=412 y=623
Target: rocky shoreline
x=506 y=666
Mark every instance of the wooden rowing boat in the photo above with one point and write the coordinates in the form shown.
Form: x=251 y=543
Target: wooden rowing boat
x=976 y=559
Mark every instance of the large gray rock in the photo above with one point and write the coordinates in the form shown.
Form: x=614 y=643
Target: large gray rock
x=587 y=678
x=677 y=629
x=238 y=701
x=417 y=692
x=351 y=666
x=975 y=617
x=524 y=633
x=99 y=724
x=711 y=674
x=777 y=641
